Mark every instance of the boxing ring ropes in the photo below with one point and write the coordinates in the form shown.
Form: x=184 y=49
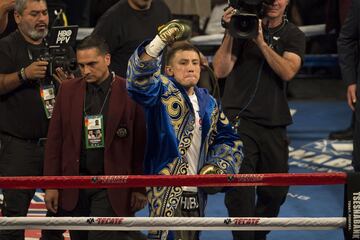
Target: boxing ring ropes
x=350 y=224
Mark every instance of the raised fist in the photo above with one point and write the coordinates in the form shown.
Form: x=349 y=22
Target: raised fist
x=174 y=30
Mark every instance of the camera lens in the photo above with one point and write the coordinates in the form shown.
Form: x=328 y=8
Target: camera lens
x=244 y=25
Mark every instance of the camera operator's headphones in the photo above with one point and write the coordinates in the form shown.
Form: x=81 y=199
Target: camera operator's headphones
x=269 y=35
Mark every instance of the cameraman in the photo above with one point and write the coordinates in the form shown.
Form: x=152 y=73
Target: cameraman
x=257 y=72
x=24 y=89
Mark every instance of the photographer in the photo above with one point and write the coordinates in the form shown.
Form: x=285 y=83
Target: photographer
x=257 y=70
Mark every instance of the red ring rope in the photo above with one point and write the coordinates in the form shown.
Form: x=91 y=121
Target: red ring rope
x=276 y=179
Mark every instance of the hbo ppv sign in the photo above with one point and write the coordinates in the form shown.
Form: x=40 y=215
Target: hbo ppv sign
x=63 y=36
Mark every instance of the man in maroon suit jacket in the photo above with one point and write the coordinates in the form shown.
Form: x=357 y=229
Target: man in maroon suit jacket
x=95 y=105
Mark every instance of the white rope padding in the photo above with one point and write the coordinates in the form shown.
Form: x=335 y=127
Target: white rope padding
x=171 y=223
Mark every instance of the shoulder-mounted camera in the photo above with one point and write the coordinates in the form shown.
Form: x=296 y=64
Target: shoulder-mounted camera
x=245 y=22
x=58 y=49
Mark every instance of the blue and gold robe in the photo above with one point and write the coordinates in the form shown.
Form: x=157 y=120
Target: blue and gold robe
x=170 y=122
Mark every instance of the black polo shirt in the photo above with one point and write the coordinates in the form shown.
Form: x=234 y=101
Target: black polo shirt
x=124 y=29
x=92 y=160
x=21 y=111
x=253 y=90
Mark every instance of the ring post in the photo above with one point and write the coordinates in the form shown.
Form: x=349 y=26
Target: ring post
x=352 y=207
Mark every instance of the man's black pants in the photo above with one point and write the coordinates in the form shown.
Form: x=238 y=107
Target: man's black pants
x=266 y=151
x=95 y=203
x=356 y=141
x=18 y=158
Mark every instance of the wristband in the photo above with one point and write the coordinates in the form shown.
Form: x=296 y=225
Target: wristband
x=155 y=47
x=224 y=24
x=22 y=75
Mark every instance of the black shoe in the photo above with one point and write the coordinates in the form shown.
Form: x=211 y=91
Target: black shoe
x=346 y=134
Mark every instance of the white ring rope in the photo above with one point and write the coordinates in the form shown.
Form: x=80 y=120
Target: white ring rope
x=171 y=223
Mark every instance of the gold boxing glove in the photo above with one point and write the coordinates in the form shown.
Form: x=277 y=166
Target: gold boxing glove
x=211 y=169
x=174 y=30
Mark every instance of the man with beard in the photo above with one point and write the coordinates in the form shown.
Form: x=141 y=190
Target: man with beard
x=24 y=117
x=126 y=24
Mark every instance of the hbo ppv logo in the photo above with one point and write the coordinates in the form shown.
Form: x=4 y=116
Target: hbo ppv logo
x=63 y=36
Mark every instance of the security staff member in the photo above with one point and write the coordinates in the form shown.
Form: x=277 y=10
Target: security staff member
x=96 y=129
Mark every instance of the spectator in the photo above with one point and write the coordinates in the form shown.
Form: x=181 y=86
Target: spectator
x=5 y=7
x=255 y=101
x=126 y=24
x=348 y=50
x=342 y=8
x=11 y=25
x=78 y=12
x=199 y=8
x=98 y=8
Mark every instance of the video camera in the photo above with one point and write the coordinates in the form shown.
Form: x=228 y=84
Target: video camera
x=58 y=51
x=245 y=22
